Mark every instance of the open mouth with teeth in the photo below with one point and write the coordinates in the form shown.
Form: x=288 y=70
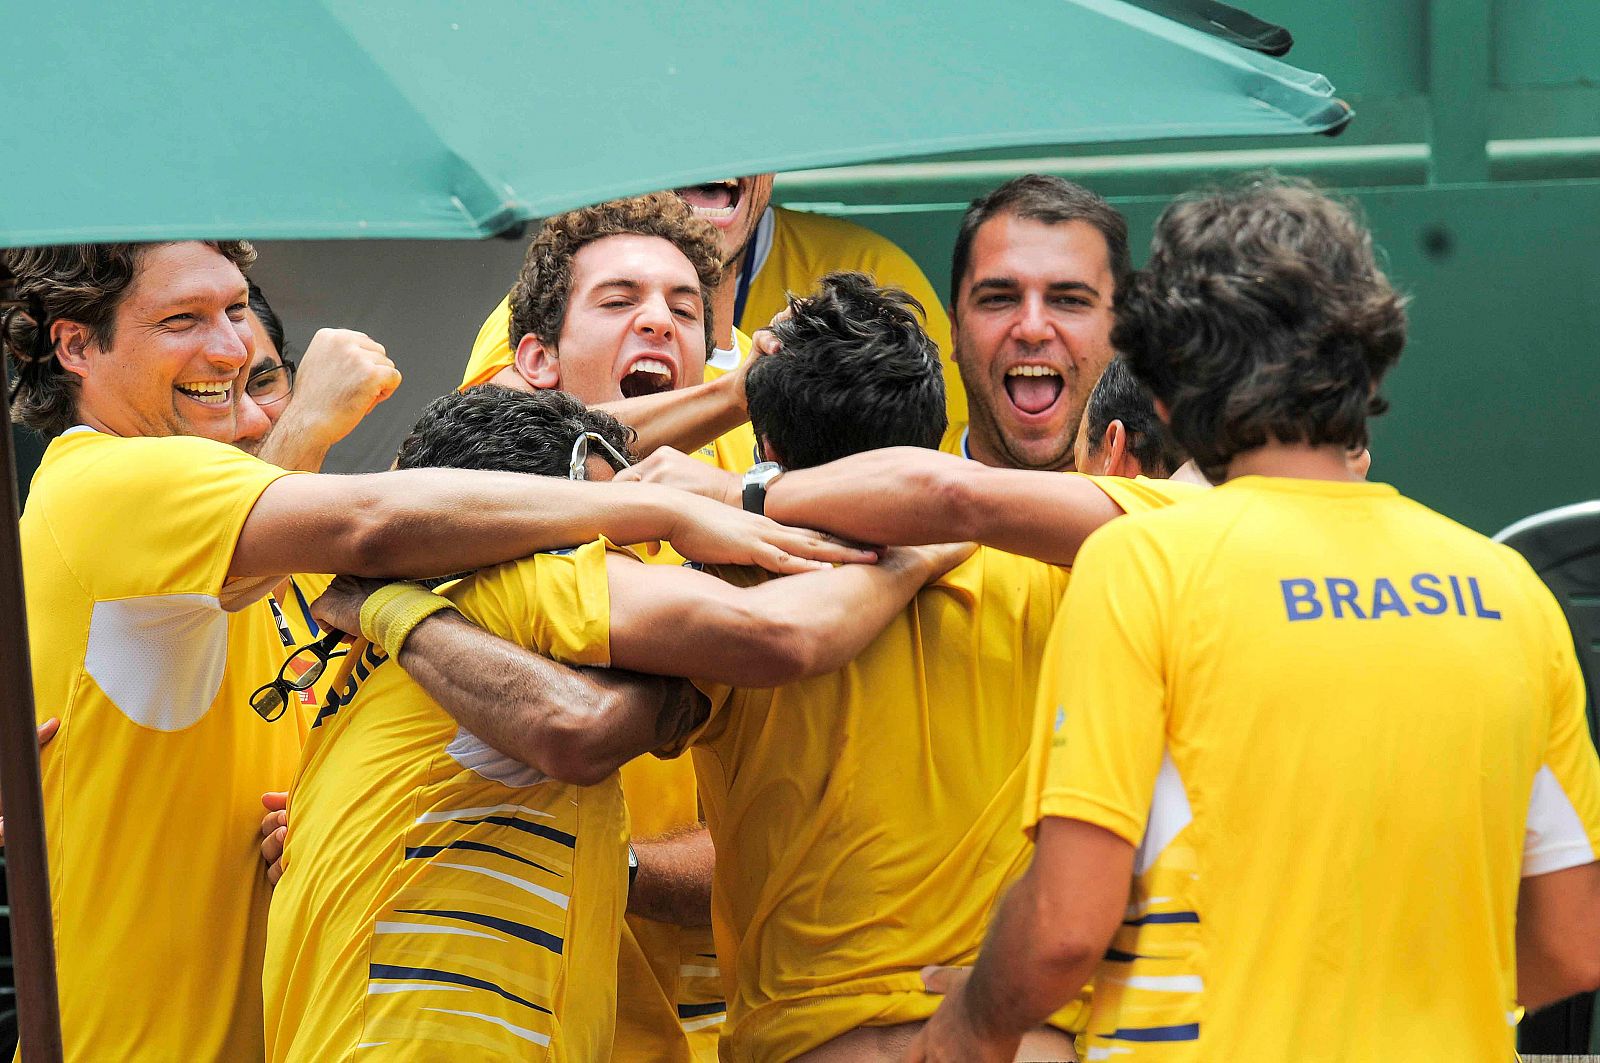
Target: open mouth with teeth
x=647 y=376
x=715 y=201
x=1033 y=389
x=208 y=393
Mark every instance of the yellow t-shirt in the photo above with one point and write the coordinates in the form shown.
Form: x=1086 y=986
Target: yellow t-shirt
x=845 y=807
x=669 y=990
x=1340 y=728
x=734 y=450
x=439 y=897
x=954 y=440
x=806 y=247
x=152 y=788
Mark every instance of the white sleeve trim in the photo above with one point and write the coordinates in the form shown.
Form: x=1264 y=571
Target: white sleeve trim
x=1555 y=838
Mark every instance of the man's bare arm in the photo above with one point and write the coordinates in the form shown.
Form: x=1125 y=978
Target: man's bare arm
x=908 y=495
x=342 y=376
x=1049 y=934
x=674 y=880
x=676 y=621
x=576 y=725
x=1558 y=935
x=430 y=522
x=686 y=419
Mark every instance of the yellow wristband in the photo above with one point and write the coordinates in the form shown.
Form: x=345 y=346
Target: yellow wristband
x=390 y=613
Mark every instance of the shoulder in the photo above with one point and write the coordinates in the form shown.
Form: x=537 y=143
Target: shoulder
x=1141 y=493
x=846 y=244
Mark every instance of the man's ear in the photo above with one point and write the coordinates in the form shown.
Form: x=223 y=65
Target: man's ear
x=1162 y=411
x=764 y=449
x=1119 y=461
x=537 y=364
x=71 y=342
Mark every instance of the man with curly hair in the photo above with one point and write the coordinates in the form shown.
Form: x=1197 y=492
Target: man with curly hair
x=1327 y=792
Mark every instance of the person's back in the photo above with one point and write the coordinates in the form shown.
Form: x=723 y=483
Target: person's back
x=873 y=810
x=1345 y=793
x=427 y=874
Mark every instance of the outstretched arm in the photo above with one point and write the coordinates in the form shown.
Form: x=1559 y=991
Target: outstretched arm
x=687 y=419
x=576 y=725
x=904 y=495
x=908 y=495
x=430 y=522
x=676 y=621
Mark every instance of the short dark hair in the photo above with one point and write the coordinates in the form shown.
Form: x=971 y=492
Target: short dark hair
x=1043 y=198
x=271 y=324
x=1262 y=316
x=74 y=282
x=1118 y=396
x=856 y=372
x=538 y=300
x=505 y=430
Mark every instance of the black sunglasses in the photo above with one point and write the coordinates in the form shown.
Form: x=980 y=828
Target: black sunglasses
x=270 y=699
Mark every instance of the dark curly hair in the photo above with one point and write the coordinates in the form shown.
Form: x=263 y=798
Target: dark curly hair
x=544 y=285
x=505 y=430
x=1262 y=316
x=84 y=283
x=856 y=372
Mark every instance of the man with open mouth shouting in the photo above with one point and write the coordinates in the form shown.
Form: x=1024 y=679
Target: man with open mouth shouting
x=613 y=306
x=1036 y=266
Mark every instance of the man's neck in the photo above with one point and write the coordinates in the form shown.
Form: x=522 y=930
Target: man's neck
x=1298 y=461
x=722 y=300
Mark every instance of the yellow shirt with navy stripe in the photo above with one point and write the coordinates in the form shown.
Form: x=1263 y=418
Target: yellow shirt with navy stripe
x=734 y=450
x=1340 y=729
x=440 y=898
x=152 y=788
x=806 y=247
x=843 y=807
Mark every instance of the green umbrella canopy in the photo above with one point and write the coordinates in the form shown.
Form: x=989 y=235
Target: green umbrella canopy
x=144 y=120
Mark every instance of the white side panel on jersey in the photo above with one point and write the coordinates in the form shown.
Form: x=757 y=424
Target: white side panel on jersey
x=1555 y=838
x=160 y=658
x=1169 y=814
x=470 y=751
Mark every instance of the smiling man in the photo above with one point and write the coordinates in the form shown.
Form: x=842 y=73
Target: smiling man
x=1036 y=267
x=148 y=544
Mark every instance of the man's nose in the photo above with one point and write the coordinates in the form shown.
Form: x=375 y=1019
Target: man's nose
x=1032 y=324
x=231 y=343
x=654 y=318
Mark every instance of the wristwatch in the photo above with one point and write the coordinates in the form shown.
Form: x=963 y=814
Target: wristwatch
x=756 y=482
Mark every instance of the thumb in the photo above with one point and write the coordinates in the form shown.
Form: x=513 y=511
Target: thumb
x=275 y=800
x=945 y=979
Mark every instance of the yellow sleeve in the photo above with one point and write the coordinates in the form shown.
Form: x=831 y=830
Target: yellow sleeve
x=1141 y=493
x=1563 y=825
x=1100 y=731
x=491 y=351
x=157 y=515
x=557 y=604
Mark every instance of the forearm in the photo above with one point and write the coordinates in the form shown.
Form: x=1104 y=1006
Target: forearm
x=674 y=880
x=574 y=725
x=826 y=623
x=295 y=444
x=419 y=523
x=686 y=420
x=1019 y=979
x=907 y=496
